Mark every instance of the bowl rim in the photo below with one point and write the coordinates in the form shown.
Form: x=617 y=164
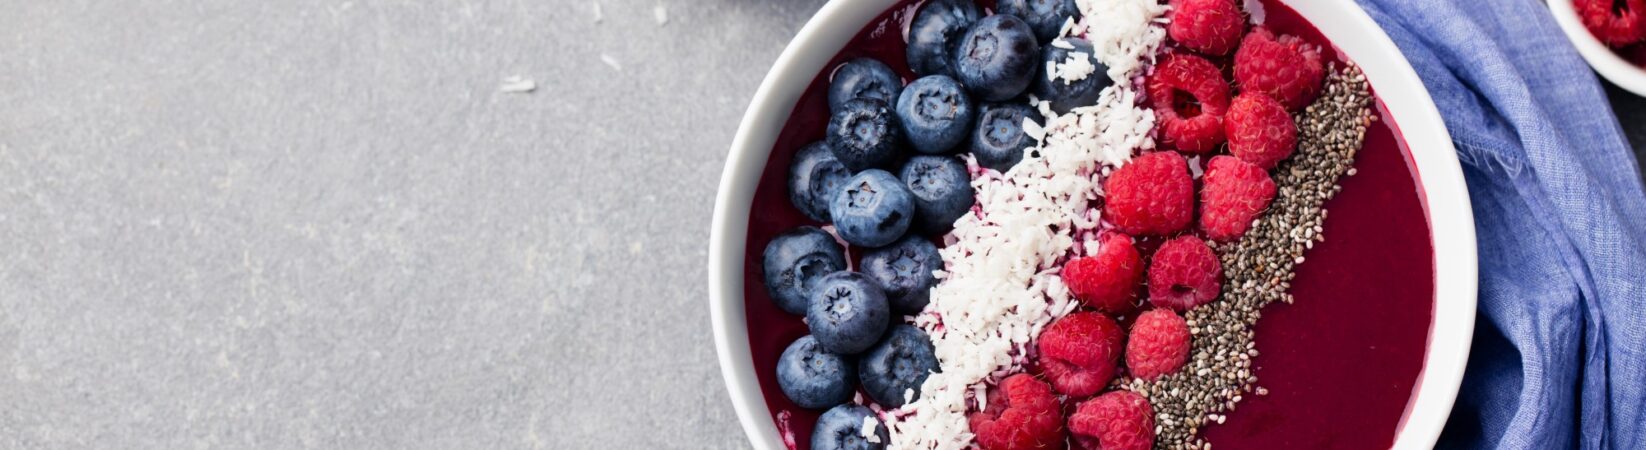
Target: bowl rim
x=1619 y=71
x=1343 y=23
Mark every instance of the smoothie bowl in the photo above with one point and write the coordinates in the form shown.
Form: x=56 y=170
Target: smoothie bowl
x=1092 y=224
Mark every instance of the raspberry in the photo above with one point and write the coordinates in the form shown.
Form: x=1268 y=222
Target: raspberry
x=1232 y=194
x=1020 y=413
x=1158 y=344
x=1635 y=54
x=1078 y=353
x=1286 y=68
x=1107 y=281
x=1189 y=97
x=1151 y=195
x=1118 y=420
x=1212 y=27
x=1615 y=22
x=1260 y=131
x=1184 y=274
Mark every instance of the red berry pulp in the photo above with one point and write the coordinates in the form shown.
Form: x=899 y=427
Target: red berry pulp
x=1340 y=364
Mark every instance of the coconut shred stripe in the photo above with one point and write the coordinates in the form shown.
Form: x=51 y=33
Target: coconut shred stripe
x=1002 y=286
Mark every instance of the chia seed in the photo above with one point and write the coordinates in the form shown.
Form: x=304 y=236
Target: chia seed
x=1259 y=268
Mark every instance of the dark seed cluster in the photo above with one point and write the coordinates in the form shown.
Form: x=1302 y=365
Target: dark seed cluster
x=1258 y=269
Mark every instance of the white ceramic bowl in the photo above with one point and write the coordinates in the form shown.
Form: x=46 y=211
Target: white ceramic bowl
x=1622 y=73
x=1348 y=27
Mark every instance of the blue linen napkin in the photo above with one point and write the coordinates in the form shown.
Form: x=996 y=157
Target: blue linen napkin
x=1559 y=356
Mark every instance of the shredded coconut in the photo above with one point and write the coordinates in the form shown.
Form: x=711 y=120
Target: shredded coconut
x=598 y=16
x=869 y=425
x=1001 y=285
x=1255 y=11
x=1129 y=32
x=1076 y=68
x=785 y=429
x=1197 y=167
x=660 y=14
x=1032 y=128
x=610 y=61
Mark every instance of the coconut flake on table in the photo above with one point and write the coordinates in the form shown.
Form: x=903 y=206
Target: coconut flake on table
x=518 y=84
x=1001 y=286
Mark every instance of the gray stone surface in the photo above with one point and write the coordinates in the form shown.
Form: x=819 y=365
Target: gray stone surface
x=319 y=224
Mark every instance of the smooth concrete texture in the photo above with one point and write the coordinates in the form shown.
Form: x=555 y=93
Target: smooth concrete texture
x=320 y=224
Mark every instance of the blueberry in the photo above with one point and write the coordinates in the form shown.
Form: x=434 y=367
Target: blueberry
x=873 y=209
x=863 y=78
x=793 y=263
x=813 y=378
x=841 y=428
x=1045 y=17
x=997 y=58
x=900 y=362
x=1067 y=95
x=848 y=313
x=942 y=191
x=998 y=139
x=904 y=271
x=814 y=176
x=936 y=113
x=864 y=134
x=934 y=33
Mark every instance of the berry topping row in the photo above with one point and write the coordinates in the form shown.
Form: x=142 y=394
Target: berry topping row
x=1135 y=239
x=1227 y=133
x=885 y=178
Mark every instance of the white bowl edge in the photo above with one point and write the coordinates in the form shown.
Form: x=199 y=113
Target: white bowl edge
x=1341 y=21
x=817 y=42
x=1626 y=75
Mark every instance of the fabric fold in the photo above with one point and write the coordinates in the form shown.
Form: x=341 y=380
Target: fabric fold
x=1559 y=359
